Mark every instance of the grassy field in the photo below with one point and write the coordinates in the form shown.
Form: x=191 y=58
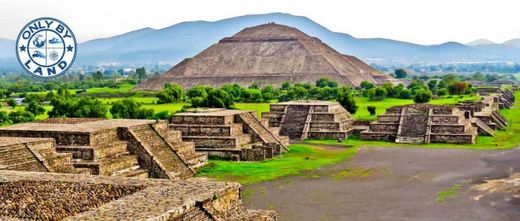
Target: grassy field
x=299 y=158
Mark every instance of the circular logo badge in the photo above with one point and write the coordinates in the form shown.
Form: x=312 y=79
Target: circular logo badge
x=46 y=47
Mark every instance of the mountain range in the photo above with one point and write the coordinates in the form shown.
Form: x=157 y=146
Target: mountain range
x=170 y=45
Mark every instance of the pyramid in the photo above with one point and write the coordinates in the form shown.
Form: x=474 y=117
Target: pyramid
x=268 y=54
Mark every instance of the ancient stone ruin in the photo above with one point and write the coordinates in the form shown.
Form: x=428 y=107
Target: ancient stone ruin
x=268 y=54
x=230 y=134
x=424 y=123
x=53 y=196
x=487 y=111
x=300 y=120
x=131 y=148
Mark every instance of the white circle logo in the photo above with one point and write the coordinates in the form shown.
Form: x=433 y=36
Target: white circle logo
x=46 y=47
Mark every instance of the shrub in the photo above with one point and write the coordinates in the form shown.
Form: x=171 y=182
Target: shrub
x=346 y=99
x=422 y=96
x=371 y=110
x=405 y=94
x=129 y=108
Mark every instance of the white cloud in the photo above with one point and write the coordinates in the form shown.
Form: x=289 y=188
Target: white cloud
x=423 y=21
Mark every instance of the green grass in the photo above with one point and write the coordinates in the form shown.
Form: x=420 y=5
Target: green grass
x=517 y=76
x=299 y=158
x=352 y=173
x=258 y=107
x=141 y=100
x=121 y=89
x=450 y=193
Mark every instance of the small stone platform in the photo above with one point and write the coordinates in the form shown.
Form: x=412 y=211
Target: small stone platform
x=132 y=148
x=423 y=123
x=229 y=134
x=310 y=119
x=53 y=196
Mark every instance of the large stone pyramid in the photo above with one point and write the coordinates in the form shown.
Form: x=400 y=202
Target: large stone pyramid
x=268 y=54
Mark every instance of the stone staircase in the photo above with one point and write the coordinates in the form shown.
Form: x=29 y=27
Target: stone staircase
x=186 y=149
x=38 y=155
x=423 y=123
x=260 y=132
x=228 y=134
x=483 y=128
x=294 y=121
x=170 y=162
x=310 y=119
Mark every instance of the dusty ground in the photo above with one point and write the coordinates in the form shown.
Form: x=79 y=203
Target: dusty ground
x=394 y=184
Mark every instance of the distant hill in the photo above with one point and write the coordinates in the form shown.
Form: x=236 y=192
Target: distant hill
x=480 y=41
x=172 y=44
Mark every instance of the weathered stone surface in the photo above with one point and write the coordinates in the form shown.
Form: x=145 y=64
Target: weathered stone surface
x=49 y=196
x=229 y=134
x=423 y=123
x=268 y=54
x=310 y=119
x=140 y=148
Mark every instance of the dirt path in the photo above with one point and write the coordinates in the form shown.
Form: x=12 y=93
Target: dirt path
x=394 y=184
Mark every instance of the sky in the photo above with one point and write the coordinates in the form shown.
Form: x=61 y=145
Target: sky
x=417 y=21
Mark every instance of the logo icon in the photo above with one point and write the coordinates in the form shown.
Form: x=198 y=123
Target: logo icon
x=46 y=47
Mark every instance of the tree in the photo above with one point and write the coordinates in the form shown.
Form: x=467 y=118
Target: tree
x=405 y=94
x=326 y=82
x=400 y=73
x=432 y=85
x=346 y=99
x=74 y=107
x=458 y=88
x=170 y=93
x=35 y=108
x=11 y=102
x=366 y=85
x=141 y=73
x=219 y=98
x=442 y=92
x=378 y=93
x=422 y=96
x=20 y=117
x=98 y=75
x=371 y=110
x=269 y=93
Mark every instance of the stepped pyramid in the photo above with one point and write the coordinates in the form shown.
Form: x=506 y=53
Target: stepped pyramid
x=425 y=123
x=130 y=148
x=229 y=134
x=310 y=119
x=268 y=54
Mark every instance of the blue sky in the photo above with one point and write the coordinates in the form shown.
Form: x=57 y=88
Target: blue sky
x=418 y=21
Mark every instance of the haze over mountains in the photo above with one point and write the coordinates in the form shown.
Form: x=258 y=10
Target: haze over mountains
x=170 y=45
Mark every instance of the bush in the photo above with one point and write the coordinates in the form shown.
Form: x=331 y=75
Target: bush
x=11 y=102
x=422 y=96
x=405 y=94
x=346 y=99
x=35 y=108
x=73 y=107
x=442 y=92
x=130 y=109
x=171 y=93
x=371 y=110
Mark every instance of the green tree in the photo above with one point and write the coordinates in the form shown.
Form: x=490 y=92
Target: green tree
x=400 y=73
x=422 y=96
x=170 y=93
x=11 y=102
x=98 y=75
x=141 y=73
x=346 y=99
x=367 y=85
x=326 y=82
x=20 y=117
x=35 y=108
x=405 y=94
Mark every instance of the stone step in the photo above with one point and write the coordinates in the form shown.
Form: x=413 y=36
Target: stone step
x=197 y=160
x=11 y=160
x=219 y=142
x=12 y=148
x=135 y=171
x=109 y=165
x=184 y=148
x=208 y=130
x=340 y=135
x=112 y=149
x=33 y=165
x=173 y=136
